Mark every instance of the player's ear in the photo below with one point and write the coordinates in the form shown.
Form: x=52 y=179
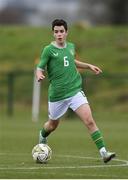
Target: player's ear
x=53 y=34
x=66 y=33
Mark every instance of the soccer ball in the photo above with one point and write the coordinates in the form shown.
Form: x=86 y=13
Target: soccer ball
x=41 y=153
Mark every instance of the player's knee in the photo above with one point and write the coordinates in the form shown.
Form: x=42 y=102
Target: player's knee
x=90 y=123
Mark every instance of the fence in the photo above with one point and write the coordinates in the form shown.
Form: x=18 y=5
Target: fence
x=106 y=89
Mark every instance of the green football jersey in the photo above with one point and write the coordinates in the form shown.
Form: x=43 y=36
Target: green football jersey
x=65 y=80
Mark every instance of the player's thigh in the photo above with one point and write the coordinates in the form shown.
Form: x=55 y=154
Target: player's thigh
x=84 y=112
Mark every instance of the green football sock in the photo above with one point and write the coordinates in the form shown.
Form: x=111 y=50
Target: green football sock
x=45 y=133
x=98 y=139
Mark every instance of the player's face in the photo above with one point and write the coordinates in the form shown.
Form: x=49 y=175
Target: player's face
x=60 y=34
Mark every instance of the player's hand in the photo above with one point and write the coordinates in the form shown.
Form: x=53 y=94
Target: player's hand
x=40 y=76
x=95 y=69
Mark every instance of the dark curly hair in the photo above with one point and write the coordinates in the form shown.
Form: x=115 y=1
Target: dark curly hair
x=59 y=22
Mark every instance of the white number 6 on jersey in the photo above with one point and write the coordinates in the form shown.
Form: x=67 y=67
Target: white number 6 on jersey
x=66 y=62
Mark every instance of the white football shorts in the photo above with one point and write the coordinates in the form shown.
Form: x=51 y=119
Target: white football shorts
x=59 y=108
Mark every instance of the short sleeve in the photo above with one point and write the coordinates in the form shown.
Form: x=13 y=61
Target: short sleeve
x=44 y=58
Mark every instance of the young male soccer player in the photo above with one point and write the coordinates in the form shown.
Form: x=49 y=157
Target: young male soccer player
x=65 y=86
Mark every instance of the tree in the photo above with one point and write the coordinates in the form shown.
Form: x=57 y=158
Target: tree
x=104 y=11
x=120 y=11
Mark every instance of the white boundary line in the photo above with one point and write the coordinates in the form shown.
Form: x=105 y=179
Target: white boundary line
x=123 y=163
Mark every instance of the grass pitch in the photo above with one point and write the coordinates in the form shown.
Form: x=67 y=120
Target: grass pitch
x=74 y=153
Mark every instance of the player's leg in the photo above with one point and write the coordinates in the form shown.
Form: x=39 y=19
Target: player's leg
x=56 y=110
x=48 y=127
x=84 y=112
x=79 y=104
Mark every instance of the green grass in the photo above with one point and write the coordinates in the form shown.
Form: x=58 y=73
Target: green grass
x=71 y=143
x=104 y=46
x=74 y=153
x=20 y=46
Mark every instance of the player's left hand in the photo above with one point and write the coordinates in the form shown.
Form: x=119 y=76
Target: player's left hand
x=95 y=69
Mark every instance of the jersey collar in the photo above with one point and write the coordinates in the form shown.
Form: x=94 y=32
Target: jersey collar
x=55 y=44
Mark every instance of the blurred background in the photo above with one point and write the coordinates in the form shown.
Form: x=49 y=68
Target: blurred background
x=42 y=12
x=97 y=27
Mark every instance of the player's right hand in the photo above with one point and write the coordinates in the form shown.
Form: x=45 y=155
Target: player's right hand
x=40 y=76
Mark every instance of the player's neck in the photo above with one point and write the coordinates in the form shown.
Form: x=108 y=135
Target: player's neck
x=59 y=45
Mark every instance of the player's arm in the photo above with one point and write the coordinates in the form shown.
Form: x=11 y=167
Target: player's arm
x=41 y=66
x=40 y=74
x=91 y=67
